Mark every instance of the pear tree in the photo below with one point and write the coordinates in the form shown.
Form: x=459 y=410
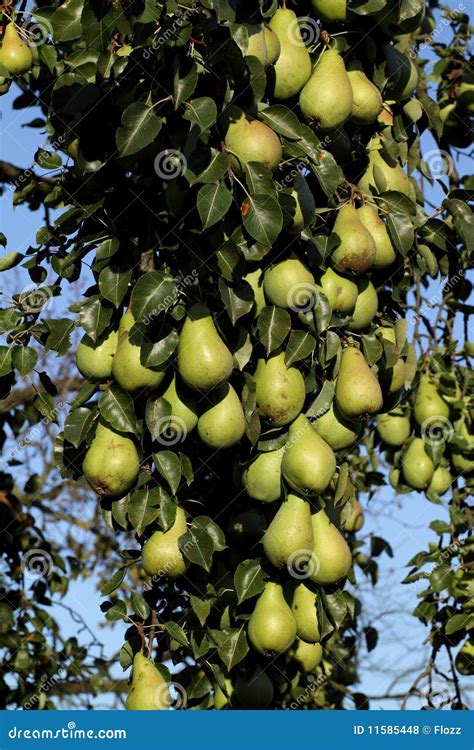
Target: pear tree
x=244 y=190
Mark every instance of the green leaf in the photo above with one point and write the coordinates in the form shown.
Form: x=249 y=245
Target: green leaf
x=168 y=465
x=202 y=112
x=113 y=283
x=201 y=608
x=282 y=120
x=118 y=611
x=184 y=85
x=214 y=531
x=24 y=359
x=262 y=218
x=215 y=170
x=300 y=345
x=140 y=126
x=157 y=411
x=401 y=231
x=249 y=580
x=328 y=173
x=116 y=407
x=197 y=546
x=238 y=299
x=458 y=622
x=274 y=324
x=77 y=425
x=177 y=633
x=231 y=645
x=213 y=202
x=66 y=20
x=154 y=293
x=139 y=605
x=144 y=507
x=323 y=400
x=94 y=317
x=5 y=360
x=113 y=583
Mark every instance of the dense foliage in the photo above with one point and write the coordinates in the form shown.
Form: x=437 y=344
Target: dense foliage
x=259 y=266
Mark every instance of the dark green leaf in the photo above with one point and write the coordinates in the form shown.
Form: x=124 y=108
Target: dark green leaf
x=153 y=294
x=262 y=218
x=116 y=407
x=274 y=324
x=24 y=359
x=169 y=466
x=249 y=580
x=113 y=283
x=77 y=425
x=213 y=202
x=140 y=126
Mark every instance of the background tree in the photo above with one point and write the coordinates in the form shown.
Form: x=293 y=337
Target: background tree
x=223 y=200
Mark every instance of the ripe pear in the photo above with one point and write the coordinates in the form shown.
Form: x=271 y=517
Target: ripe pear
x=358 y=391
x=254 y=691
x=461 y=460
x=272 y=627
x=204 y=361
x=290 y=534
x=248 y=139
x=401 y=73
x=149 y=690
x=306 y=616
x=293 y=65
x=356 y=252
x=330 y=10
x=111 y=464
x=441 y=481
x=255 y=279
x=327 y=96
x=256 y=42
x=417 y=466
x=391 y=378
x=367 y=102
x=127 y=368
x=336 y=430
x=355 y=520
x=308 y=655
x=384 y=251
x=365 y=306
x=394 y=428
x=273 y=45
x=305 y=205
x=428 y=402
x=94 y=358
x=184 y=416
x=280 y=390
x=332 y=558
x=340 y=292
x=161 y=555
x=262 y=478
x=308 y=463
x=15 y=55
x=289 y=284
x=384 y=173
x=223 y=423
x=221 y=700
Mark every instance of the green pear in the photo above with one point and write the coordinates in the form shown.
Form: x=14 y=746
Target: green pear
x=340 y=292
x=401 y=73
x=417 y=466
x=384 y=251
x=355 y=520
x=255 y=279
x=461 y=460
x=332 y=559
x=223 y=423
x=391 y=378
x=247 y=139
x=356 y=251
x=330 y=10
x=289 y=284
x=308 y=463
x=161 y=555
x=221 y=700
x=125 y=50
x=184 y=416
x=257 y=46
x=127 y=368
x=327 y=96
x=272 y=627
x=204 y=361
x=367 y=102
x=384 y=173
x=280 y=390
x=254 y=691
x=441 y=481
x=394 y=428
x=94 y=358
x=308 y=655
x=111 y=464
x=305 y=205
x=336 y=430
x=358 y=391
x=149 y=690
x=289 y=538
x=15 y=55
x=292 y=68
x=429 y=405
x=262 y=478
x=365 y=307
x=305 y=614
x=273 y=45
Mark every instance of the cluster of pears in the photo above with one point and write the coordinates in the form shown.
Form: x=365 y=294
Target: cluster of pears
x=364 y=240
x=456 y=112
x=15 y=55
